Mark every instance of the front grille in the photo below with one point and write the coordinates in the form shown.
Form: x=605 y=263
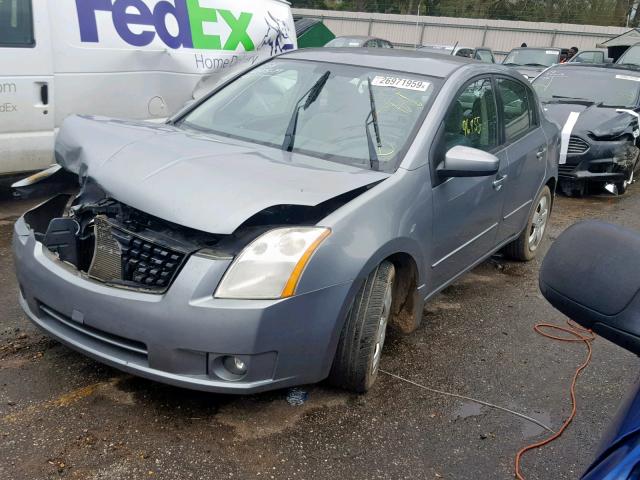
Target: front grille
x=123 y=257
x=566 y=169
x=107 y=255
x=577 y=146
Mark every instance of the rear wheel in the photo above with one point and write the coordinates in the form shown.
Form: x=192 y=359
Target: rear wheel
x=525 y=247
x=355 y=366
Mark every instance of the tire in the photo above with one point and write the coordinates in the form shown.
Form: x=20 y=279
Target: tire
x=525 y=247
x=355 y=366
x=622 y=187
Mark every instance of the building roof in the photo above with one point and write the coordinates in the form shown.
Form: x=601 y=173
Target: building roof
x=625 y=40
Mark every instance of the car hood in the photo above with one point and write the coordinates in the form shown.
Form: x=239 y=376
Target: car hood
x=594 y=118
x=196 y=180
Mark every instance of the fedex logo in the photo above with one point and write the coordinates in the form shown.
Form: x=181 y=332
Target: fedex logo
x=138 y=24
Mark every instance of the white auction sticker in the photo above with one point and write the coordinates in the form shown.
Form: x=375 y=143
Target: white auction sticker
x=628 y=77
x=398 y=82
x=551 y=52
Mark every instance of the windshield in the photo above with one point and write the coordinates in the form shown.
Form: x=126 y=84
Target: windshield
x=333 y=104
x=631 y=56
x=609 y=87
x=532 y=57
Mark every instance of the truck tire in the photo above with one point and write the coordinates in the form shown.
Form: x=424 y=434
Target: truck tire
x=525 y=247
x=355 y=366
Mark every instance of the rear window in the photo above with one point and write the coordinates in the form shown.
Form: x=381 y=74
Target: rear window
x=16 y=23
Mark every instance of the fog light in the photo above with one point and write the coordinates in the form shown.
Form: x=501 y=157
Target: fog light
x=234 y=365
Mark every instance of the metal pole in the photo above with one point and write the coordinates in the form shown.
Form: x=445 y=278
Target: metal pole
x=484 y=35
x=418 y=40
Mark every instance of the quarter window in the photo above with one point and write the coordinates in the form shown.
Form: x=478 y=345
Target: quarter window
x=16 y=23
x=472 y=120
x=517 y=108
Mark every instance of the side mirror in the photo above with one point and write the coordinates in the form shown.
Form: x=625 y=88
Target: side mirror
x=592 y=274
x=468 y=162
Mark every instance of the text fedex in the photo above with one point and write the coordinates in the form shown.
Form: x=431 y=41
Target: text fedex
x=138 y=24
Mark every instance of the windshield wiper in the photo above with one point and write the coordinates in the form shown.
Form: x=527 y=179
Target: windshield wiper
x=311 y=95
x=535 y=65
x=510 y=63
x=372 y=118
x=579 y=99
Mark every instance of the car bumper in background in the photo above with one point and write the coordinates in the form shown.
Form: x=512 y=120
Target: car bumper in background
x=181 y=336
x=603 y=162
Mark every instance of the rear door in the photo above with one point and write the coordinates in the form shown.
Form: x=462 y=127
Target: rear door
x=526 y=151
x=26 y=90
x=466 y=211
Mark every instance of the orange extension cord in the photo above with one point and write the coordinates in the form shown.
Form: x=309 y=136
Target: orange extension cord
x=576 y=334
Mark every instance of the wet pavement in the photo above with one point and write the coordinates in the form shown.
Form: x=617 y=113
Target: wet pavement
x=65 y=416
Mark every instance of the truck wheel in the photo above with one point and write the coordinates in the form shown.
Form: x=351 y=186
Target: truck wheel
x=355 y=366
x=525 y=247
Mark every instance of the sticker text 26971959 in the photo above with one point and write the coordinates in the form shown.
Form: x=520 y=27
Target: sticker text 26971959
x=397 y=82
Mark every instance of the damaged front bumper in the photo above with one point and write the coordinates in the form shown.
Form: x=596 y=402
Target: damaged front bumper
x=604 y=161
x=181 y=336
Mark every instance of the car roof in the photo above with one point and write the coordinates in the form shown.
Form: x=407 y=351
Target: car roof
x=359 y=37
x=537 y=48
x=600 y=66
x=410 y=61
x=442 y=46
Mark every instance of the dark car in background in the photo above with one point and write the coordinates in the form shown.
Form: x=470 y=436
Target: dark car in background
x=596 y=108
x=482 y=54
x=358 y=41
x=530 y=62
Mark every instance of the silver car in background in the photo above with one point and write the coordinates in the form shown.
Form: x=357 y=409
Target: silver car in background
x=267 y=235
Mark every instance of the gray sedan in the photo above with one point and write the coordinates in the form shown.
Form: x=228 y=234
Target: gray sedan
x=268 y=235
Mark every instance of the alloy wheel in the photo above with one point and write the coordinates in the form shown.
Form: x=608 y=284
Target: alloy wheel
x=539 y=223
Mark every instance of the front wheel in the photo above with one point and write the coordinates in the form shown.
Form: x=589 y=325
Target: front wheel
x=525 y=247
x=621 y=187
x=355 y=366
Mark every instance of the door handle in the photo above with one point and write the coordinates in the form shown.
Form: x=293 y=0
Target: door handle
x=498 y=182
x=541 y=152
x=44 y=93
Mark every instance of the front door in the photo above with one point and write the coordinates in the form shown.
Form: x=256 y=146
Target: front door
x=26 y=90
x=466 y=211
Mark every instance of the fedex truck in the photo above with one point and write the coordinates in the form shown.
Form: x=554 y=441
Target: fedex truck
x=137 y=59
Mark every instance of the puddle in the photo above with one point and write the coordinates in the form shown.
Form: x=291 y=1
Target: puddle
x=467 y=409
x=253 y=417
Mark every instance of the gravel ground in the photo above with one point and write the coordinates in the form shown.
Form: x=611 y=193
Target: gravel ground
x=65 y=416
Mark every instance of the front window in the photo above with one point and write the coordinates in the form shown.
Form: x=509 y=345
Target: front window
x=532 y=57
x=472 y=120
x=16 y=23
x=334 y=105
x=616 y=88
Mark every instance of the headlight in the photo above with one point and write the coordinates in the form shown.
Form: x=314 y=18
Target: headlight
x=271 y=265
